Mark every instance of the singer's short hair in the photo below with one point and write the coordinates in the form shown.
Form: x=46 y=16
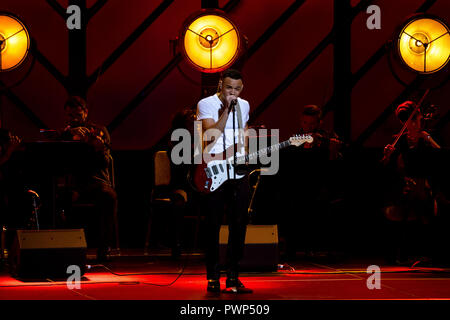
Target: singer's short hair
x=75 y=102
x=232 y=73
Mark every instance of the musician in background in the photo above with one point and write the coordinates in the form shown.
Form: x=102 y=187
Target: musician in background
x=306 y=173
x=8 y=144
x=311 y=123
x=179 y=190
x=412 y=204
x=95 y=184
x=217 y=113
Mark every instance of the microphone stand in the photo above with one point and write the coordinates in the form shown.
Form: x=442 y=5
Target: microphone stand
x=233 y=109
x=235 y=146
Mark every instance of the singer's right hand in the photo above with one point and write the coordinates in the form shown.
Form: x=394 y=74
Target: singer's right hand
x=229 y=99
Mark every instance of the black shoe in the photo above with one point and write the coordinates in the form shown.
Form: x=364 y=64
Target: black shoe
x=213 y=286
x=236 y=286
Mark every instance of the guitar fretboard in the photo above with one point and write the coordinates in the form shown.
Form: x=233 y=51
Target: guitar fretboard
x=255 y=155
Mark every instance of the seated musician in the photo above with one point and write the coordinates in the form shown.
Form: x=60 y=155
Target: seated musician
x=8 y=144
x=95 y=184
x=307 y=168
x=411 y=205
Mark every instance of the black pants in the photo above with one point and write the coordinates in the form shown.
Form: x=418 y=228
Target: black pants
x=231 y=199
x=104 y=199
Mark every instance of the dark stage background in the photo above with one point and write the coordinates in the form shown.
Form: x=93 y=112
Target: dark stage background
x=290 y=63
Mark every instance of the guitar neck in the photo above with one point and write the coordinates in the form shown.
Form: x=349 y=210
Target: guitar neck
x=255 y=155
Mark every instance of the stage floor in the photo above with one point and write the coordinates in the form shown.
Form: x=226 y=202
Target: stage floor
x=133 y=276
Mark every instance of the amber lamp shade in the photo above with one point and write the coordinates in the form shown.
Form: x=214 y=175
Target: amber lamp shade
x=14 y=42
x=210 y=41
x=424 y=45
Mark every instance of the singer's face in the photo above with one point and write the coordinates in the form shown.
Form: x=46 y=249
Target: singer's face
x=75 y=116
x=231 y=87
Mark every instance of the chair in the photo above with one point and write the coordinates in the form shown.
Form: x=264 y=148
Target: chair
x=162 y=176
x=161 y=194
x=83 y=204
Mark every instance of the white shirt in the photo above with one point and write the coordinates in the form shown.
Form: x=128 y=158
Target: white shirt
x=208 y=108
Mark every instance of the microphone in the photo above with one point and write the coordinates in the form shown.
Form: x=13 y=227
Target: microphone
x=232 y=104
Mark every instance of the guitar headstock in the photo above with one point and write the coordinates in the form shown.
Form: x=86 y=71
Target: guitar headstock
x=300 y=139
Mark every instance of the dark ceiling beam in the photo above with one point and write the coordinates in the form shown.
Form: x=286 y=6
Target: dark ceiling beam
x=77 y=47
x=128 y=42
x=362 y=5
x=58 y=8
x=291 y=77
x=230 y=5
x=48 y=65
x=140 y=97
x=303 y=65
x=276 y=25
x=96 y=8
x=137 y=100
x=342 y=74
x=23 y=107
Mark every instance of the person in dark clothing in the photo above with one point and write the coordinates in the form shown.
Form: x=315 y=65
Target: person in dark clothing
x=8 y=190
x=96 y=183
x=305 y=170
x=179 y=189
x=411 y=207
x=8 y=144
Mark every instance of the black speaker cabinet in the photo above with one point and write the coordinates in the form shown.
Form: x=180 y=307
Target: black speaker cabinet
x=40 y=254
x=261 y=248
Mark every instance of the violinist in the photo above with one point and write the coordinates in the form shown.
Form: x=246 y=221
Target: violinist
x=412 y=205
x=96 y=185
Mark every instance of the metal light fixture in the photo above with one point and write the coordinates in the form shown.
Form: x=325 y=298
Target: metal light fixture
x=424 y=44
x=14 y=42
x=210 y=41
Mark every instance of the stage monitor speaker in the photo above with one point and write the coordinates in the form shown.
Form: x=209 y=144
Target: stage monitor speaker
x=40 y=254
x=261 y=247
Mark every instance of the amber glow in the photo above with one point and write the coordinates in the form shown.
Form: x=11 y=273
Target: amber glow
x=211 y=42
x=424 y=45
x=14 y=42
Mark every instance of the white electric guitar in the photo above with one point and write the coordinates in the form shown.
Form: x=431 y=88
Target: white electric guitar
x=218 y=168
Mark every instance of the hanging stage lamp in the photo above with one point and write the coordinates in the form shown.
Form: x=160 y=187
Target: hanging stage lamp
x=14 y=42
x=424 y=44
x=210 y=41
